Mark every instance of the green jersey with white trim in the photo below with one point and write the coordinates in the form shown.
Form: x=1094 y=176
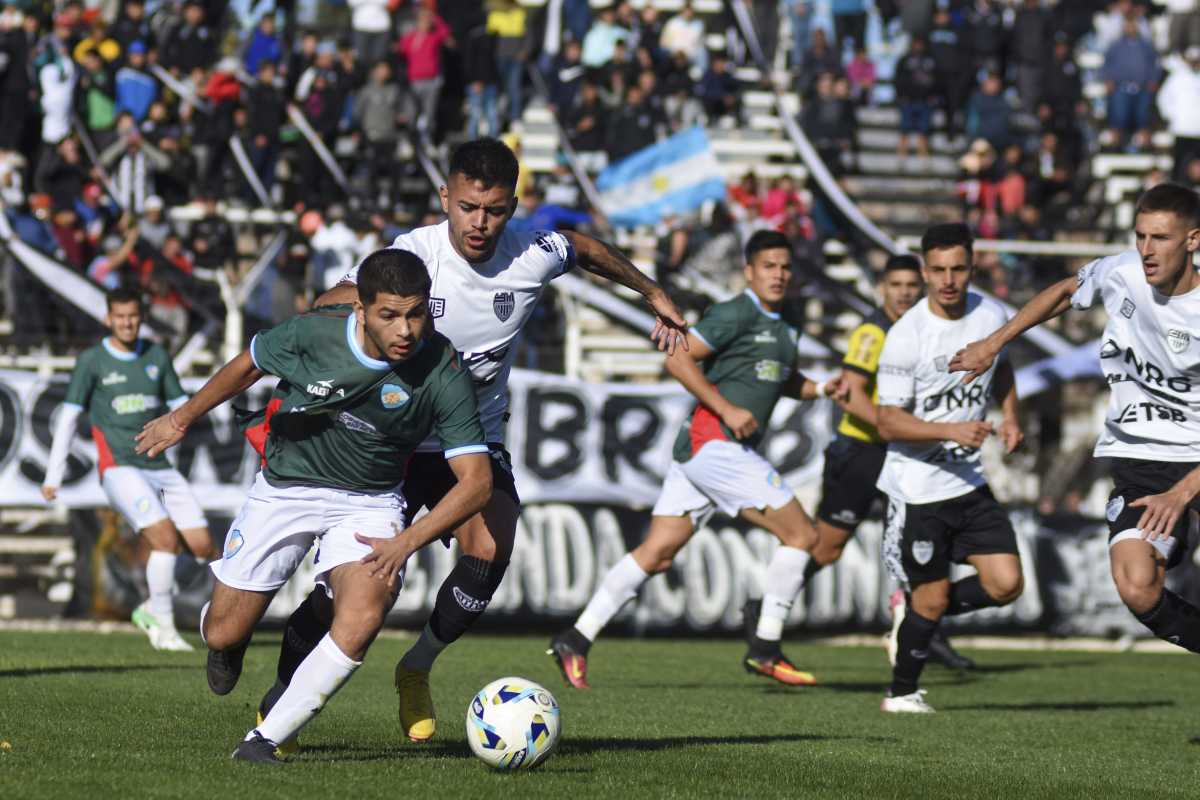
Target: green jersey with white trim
x=754 y=355
x=122 y=391
x=347 y=421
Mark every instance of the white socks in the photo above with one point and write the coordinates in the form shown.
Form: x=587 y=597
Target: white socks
x=422 y=654
x=160 y=578
x=785 y=579
x=317 y=679
x=619 y=586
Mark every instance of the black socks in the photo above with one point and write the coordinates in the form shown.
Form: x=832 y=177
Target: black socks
x=911 y=651
x=1174 y=620
x=464 y=597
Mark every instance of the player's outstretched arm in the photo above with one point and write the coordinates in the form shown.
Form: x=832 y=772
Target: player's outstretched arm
x=467 y=498
x=683 y=365
x=801 y=387
x=896 y=424
x=601 y=258
x=64 y=432
x=1005 y=384
x=977 y=357
x=343 y=293
x=231 y=380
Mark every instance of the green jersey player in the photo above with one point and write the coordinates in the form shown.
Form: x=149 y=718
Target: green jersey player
x=122 y=383
x=362 y=391
x=741 y=359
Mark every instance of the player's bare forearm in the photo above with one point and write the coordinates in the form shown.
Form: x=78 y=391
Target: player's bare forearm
x=975 y=358
x=605 y=260
x=896 y=424
x=1005 y=384
x=1189 y=485
x=467 y=498
x=859 y=401
x=231 y=380
x=338 y=295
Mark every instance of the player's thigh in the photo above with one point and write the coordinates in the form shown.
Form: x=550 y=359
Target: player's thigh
x=182 y=507
x=1133 y=481
x=734 y=477
x=135 y=498
x=232 y=614
x=375 y=515
x=931 y=598
x=667 y=536
x=1139 y=571
x=831 y=541
x=924 y=542
x=790 y=524
x=490 y=534
x=199 y=543
x=848 y=482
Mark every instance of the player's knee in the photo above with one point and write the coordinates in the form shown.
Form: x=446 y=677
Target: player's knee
x=162 y=536
x=481 y=547
x=826 y=553
x=222 y=634
x=1139 y=592
x=1005 y=588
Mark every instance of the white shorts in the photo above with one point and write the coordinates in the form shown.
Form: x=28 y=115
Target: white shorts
x=723 y=475
x=278 y=524
x=147 y=496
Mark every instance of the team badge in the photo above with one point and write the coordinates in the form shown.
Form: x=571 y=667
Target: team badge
x=503 y=304
x=922 y=551
x=775 y=479
x=1114 y=508
x=143 y=505
x=942 y=364
x=1127 y=308
x=233 y=544
x=152 y=371
x=1178 y=340
x=393 y=396
x=437 y=307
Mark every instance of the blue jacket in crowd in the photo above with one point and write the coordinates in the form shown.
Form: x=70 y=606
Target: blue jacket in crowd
x=135 y=92
x=1130 y=59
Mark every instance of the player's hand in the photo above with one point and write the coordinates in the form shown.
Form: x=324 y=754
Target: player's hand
x=974 y=359
x=971 y=434
x=387 y=556
x=1162 y=514
x=49 y=493
x=839 y=390
x=159 y=434
x=1012 y=435
x=670 y=328
x=740 y=421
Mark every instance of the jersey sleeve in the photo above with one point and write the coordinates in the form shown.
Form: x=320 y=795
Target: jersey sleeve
x=456 y=413
x=896 y=376
x=1090 y=282
x=277 y=351
x=173 y=391
x=719 y=326
x=866 y=345
x=83 y=382
x=557 y=255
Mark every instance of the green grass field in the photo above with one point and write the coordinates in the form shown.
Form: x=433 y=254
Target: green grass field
x=98 y=716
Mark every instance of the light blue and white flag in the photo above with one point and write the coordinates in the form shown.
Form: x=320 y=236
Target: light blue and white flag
x=674 y=176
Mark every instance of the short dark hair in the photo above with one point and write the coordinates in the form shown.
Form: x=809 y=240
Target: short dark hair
x=392 y=271
x=487 y=160
x=947 y=235
x=766 y=240
x=123 y=294
x=901 y=262
x=1174 y=198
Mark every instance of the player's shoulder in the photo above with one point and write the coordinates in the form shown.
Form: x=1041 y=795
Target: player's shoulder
x=735 y=308
x=911 y=321
x=445 y=362
x=1126 y=263
x=876 y=324
x=424 y=240
x=986 y=308
x=153 y=351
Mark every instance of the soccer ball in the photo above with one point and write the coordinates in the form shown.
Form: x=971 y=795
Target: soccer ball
x=513 y=723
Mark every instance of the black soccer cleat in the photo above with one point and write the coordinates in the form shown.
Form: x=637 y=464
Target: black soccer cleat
x=257 y=750
x=941 y=652
x=570 y=649
x=224 y=668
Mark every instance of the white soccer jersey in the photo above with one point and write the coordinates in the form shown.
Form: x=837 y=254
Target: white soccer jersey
x=914 y=374
x=1150 y=360
x=482 y=307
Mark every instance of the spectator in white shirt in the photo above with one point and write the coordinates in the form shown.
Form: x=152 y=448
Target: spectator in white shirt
x=684 y=33
x=1177 y=102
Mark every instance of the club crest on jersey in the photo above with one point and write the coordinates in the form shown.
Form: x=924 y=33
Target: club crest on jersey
x=503 y=304
x=1127 y=308
x=393 y=396
x=234 y=543
x=1178 y=340
x=152 y=371
x=437 y=307
x=922 y=551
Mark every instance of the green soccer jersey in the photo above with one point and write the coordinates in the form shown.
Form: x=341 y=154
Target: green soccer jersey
x=754 y=355
x=121 y=392
x=348 y=421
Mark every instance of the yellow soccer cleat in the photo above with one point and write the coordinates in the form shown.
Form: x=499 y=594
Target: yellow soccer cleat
x=417 y=719
x=283 y=749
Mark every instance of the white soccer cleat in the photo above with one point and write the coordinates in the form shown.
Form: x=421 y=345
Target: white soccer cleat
x=891 y=642
x=906 y=704
x=162 y=636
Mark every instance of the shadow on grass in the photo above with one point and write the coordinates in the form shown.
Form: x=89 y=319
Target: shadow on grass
x=998 y=669
x=1130 y=705
x=84 y=669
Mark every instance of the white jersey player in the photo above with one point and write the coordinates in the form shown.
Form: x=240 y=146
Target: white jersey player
x=486 y=283
x=1151 y=361
x=940 y=509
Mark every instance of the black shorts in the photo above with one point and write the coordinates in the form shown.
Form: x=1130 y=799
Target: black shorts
x=923 y=540
x=430 y=478
x=1134 y=478
x=848 y=481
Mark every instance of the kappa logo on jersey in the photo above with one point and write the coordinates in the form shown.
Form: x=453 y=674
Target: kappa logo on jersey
x=437 y=307
x=472 y=605
x=1114 y=508
x=152 y=371
x=503 y=304
x=234 y=543
x=112 y=378
x=1178 y=340
x=1127 y=308
x=553 y=245
x=393 y=396
x=321 y=388
x=922 y=551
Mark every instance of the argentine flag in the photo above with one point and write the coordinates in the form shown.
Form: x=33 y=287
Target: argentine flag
x=672 y=177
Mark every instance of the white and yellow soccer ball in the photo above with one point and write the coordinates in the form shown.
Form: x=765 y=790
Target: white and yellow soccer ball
x=513 y=723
